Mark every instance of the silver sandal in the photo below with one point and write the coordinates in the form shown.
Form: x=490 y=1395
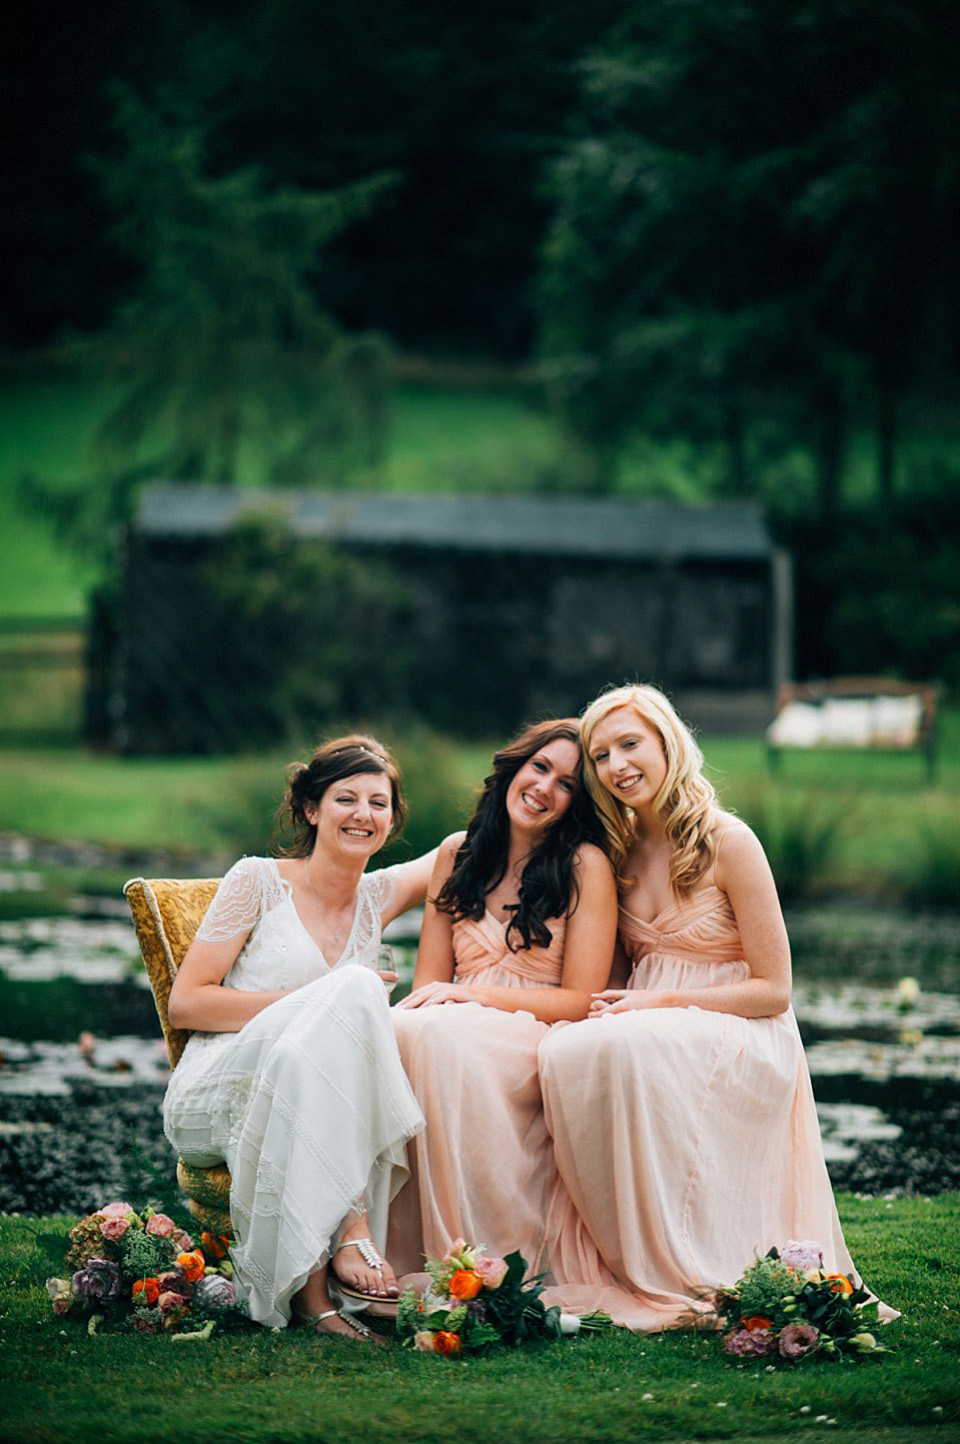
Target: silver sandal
x=310 y=1321
x=368 y=1251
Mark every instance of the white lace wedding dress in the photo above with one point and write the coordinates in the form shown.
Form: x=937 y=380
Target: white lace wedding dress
x=308 y=1104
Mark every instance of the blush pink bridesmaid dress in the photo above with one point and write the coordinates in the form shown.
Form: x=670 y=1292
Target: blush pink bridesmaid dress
x=686 y=1141
x=483 y=1169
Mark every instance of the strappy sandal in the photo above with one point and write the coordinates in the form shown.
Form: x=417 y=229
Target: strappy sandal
x=310 y=1321
x=385 y=1305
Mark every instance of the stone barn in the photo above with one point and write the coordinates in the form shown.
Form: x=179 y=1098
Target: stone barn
x=481 y=613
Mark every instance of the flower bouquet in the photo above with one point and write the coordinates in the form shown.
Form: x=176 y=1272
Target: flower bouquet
x=475 y=1302
x=143 y=1271
x=785 y=1307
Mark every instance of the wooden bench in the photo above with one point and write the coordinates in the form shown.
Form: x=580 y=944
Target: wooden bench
x=874 y=714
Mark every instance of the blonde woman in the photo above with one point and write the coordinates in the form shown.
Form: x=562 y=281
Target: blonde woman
x=681 y=1109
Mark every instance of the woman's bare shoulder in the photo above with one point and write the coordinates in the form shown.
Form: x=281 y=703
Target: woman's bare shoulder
x=591 y=860
x=736 y=844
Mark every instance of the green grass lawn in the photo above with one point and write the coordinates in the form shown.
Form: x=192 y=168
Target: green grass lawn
x=874 y=813
x=253 y=1387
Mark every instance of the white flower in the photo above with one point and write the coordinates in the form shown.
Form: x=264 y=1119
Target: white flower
x=907 y=992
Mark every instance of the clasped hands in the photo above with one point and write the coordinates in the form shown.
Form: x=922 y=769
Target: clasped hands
x=624 y=1000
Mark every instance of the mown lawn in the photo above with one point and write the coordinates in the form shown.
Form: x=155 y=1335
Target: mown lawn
x=258 y=1386
x=876 y=811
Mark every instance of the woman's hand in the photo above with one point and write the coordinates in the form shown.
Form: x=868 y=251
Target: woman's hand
x=624 y=1000
x=431 y=993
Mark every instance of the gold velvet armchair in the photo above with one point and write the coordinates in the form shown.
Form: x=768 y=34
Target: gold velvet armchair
x=166 y=914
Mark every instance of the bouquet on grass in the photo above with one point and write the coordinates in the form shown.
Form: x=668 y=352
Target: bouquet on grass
x=785 y=1307
x=475 y=1302
x=144 y=1272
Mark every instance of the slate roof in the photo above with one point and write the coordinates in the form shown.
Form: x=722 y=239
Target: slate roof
x=531 y=525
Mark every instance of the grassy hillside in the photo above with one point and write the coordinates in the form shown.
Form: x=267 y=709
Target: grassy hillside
x=442 y=438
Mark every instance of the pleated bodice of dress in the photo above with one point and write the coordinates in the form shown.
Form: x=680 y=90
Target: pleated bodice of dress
x=482 y=955
x=692 y=943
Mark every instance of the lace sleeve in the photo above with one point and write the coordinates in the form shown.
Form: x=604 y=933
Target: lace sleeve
x=237 y=905
x=386 y=887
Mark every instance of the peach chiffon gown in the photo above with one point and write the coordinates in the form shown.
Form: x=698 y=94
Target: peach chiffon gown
x=686 y=1141
x=483 y=1169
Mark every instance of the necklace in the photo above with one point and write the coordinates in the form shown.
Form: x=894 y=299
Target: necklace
x=337 y=937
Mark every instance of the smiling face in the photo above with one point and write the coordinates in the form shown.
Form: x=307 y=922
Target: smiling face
x=543 y=787
x=354 y=815
x=629 y=758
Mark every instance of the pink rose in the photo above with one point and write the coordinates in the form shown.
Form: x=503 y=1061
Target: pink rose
x=492 y=1271
x=116 y=1210
x=801 y=1254
x=183 y=1241
x=796 y=1340
x=160 y=1224
x=114 y=1227
x=170 y=1303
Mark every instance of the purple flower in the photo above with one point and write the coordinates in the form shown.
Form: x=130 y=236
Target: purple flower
x=99 y=1282
x=797 y=1340
x=751 y=1343
x=215 y=1292
x=801 y=1253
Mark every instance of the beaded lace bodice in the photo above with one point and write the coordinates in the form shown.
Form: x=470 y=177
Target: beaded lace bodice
x=280 y=955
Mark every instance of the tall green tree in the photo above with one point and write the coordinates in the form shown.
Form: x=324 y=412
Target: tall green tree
x=222 y=359
x=742 y=227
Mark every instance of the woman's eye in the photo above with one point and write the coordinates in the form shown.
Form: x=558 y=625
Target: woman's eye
x=600 y=756
x=567 y=786
x=540 y=766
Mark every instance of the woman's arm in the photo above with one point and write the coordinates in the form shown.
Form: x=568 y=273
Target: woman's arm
x=743 y=873
x=435 y=953
x=410 y=881
x=587 y=956
x=198 y=1000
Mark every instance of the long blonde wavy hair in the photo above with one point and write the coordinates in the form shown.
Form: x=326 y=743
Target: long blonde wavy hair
x=685 y=802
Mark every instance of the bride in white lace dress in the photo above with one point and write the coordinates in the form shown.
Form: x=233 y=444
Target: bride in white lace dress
x=292 y=1075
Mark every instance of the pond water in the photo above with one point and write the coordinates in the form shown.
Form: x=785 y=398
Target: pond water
x=83 y=1066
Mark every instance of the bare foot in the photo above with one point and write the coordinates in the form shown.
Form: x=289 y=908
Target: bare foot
x=361 y=1269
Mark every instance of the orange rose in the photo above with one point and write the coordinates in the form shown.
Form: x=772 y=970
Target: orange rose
x=755 y=1321
x=838 y=1284
x=145 y=1292
x=192 y=1264
x=465 y=1284
x=446 y=1342
x=215 y=1245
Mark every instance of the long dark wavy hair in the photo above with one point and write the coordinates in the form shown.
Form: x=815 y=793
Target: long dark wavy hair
x=548 y=886
x=342 y=757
